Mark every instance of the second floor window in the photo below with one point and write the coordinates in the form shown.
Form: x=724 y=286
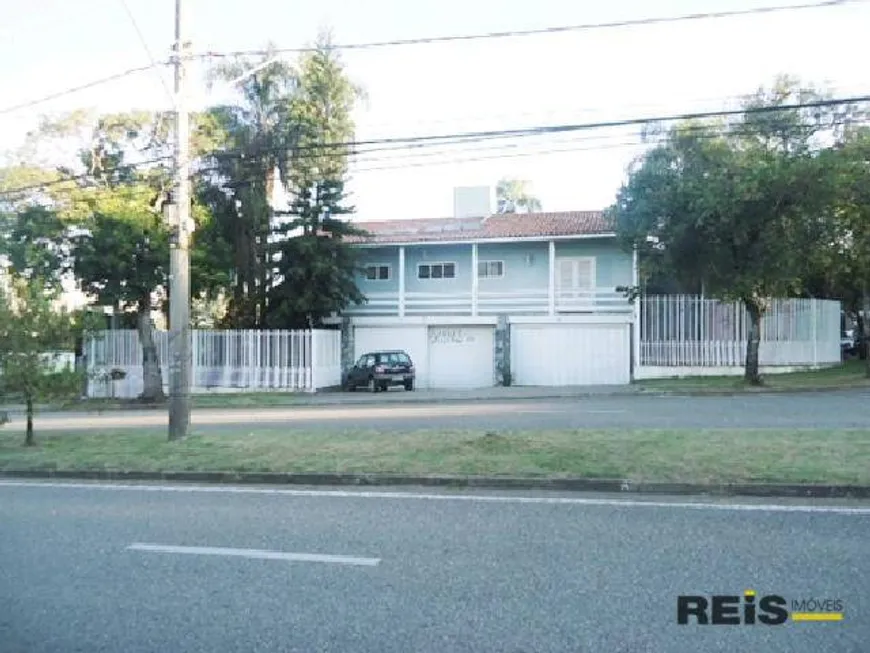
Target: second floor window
x=436 y=271
x=377 y=272
x=488 y=269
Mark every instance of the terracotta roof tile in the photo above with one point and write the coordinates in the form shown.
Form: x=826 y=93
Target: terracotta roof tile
x=502 y=225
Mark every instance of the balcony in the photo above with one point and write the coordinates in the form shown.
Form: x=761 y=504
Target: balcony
x=517 y=302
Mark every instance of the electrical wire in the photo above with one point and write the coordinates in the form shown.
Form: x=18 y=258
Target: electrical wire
x=533 y=32
x=429 y=40
x=81 y=87
x=314 y=150
x=566 y=113
x=145 y=47
x=576 y=127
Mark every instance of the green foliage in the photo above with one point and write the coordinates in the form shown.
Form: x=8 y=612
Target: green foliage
x=253 y=138
x=317 y=269
x=36 y=243
x=296 y=121
x=32 y=333
x=321 y=113
x=514 y=196
x=123 y=254
x=737 y=207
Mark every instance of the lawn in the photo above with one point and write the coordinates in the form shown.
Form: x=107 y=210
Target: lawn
x=711 y=456
x=848 y=374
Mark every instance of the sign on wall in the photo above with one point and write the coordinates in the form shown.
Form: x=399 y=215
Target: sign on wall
x=450 y=336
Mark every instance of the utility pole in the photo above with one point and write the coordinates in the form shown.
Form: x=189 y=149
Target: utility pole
x=179 y=262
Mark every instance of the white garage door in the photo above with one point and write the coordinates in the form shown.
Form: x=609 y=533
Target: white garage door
x=570 y=354
x=461 y=356
x=411 y=339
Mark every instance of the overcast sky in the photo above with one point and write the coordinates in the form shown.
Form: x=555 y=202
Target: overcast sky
x=574 y=77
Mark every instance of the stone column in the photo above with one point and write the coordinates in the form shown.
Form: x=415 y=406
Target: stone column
x=347 y=345
x=502 y=360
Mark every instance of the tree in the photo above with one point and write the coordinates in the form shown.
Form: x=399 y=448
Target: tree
x=121 y=259
x=103 y=222
x=847 y=255
x=254 y=138
x=735 y=206
x=32 y=333
x=316 y=267
x=514 y=196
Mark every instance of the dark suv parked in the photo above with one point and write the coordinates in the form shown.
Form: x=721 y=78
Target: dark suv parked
x=378 y=370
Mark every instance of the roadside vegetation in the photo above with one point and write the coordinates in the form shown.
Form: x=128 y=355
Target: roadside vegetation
x=685 y=455
x=849 y=374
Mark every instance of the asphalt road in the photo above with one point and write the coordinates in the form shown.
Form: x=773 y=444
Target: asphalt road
x=100 y=569
x=818 y=410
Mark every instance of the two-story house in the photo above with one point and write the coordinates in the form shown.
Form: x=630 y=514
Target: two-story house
x=485 y=299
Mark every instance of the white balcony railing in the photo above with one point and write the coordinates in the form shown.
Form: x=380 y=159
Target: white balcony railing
x=516 y=302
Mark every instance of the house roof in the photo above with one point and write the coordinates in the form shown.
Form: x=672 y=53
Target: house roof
x=498 y=226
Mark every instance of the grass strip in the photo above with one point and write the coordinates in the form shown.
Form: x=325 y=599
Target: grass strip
x=835 y=456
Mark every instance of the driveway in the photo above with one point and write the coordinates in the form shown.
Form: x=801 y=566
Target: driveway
x=824 y=410
x=139 y=569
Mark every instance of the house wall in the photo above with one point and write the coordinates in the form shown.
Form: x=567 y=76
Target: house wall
x=526 y=265
x=458 y=254
x=379 y=255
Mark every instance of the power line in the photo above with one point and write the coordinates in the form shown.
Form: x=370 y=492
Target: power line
x=147 y=50
x=533 y=32
x=81 y=87
x=565 y=113
x=432 y=40
x=464 y=138
x=567 y=128
x=402 y=162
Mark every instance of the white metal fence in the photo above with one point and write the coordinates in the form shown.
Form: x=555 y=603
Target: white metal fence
x=222 y=361
x=688 y=331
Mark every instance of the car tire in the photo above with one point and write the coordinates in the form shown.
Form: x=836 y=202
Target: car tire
x=409 y=386
x=372 y=386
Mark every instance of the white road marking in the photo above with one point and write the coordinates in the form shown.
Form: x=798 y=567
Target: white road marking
x=256 y=553
x=474 y=498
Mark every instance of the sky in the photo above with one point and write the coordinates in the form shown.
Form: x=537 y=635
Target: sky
x=575 y=77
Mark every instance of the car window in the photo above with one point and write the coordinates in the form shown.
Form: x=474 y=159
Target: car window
x=370 y=361
x=361 y=362
x=403 y=358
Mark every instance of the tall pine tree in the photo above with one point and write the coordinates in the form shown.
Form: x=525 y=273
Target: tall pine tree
x=316 y=266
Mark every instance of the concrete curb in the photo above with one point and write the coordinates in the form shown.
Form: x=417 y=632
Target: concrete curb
x=806 y=491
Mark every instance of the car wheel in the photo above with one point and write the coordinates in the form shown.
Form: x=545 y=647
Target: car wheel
x=409 y=386
x=372 y=386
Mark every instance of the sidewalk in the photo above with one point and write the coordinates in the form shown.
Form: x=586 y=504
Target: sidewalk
x=498 y=393
x=341 y=398
x=399 y=396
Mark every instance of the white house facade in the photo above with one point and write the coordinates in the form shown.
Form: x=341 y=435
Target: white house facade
x=506 y=299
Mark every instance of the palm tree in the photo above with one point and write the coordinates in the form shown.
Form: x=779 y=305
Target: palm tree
x=514 y=196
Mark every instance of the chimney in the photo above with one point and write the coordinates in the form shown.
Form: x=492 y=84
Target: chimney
x=473 y=201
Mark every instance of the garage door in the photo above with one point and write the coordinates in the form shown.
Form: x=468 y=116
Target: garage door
x=411 y=339
x=570 y=354
x=461 y=356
